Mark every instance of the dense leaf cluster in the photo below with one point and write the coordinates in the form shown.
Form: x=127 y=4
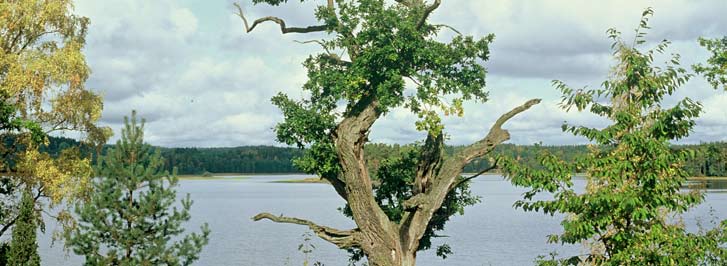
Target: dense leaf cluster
x=23 y=249
x=715 y=71
x=384 y=45
x=633 y=177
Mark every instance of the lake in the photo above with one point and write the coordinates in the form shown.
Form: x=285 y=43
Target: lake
x=490 y=233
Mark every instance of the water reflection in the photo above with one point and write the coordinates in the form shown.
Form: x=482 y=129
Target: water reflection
x=710 y=185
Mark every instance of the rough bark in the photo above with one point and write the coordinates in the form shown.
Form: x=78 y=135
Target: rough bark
x=379 y=235
x=340 y=238
x=384 y=242
x=283 y=27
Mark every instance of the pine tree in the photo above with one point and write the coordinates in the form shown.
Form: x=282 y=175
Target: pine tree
x=23 y=247
x=130 y=218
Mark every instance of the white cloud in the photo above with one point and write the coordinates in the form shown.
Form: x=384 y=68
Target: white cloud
x=184 y=21
x=201 y=81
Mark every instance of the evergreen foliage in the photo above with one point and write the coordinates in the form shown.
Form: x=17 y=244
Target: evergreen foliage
x=633 y=175
x=250 y=159
x=131 y=217
x=23 y=246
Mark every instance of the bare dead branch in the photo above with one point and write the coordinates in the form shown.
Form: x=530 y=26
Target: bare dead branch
x=464 y=180
x=319 y=42
x=496 y=135
x=404 y=2
x=448 y=27
x=340 y=238
x=420 y=207
x=427 y=12
x=10 y=223
x=283 y=28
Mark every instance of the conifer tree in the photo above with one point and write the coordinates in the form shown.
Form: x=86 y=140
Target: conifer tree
x=131 y=218
x=23 y=247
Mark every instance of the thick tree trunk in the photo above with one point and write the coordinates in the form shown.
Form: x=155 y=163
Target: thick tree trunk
x=392 y=259
x=384 y=242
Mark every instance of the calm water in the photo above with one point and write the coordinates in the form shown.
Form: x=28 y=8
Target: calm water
x=490 y=233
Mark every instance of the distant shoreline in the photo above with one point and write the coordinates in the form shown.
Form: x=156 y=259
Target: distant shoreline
x=317 y=180
x=215 y=177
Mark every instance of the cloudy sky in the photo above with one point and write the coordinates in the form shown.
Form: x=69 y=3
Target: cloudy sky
x=199 y=80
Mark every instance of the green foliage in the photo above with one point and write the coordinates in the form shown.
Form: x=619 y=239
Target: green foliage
x=633 y=176
x=23 y=246
x=249 y=159
x=130 y=218
x=42 y=90
x=715 y=71
x=307 y=248
x=710 y=158
x=373 y=48
x=389 y=46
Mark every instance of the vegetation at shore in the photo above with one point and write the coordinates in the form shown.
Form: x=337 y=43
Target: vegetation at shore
x=710 y=159
x=131 y=217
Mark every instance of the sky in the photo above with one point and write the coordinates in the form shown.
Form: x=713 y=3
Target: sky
x=189 y=68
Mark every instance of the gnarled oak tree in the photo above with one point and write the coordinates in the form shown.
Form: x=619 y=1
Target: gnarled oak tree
x=371 y=48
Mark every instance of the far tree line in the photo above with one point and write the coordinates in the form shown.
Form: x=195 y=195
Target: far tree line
x=710 y=159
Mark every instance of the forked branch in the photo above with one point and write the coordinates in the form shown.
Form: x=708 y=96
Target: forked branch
x=464 y=180
x=340 y=238
x=496 y=135
x=283 y=28
x=428 y=11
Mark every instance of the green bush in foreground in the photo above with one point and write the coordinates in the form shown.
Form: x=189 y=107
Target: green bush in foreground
x=629 y=211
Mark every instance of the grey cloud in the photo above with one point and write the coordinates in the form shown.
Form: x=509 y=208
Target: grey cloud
x=550 y=66
x=211 y=87
x=531 y=34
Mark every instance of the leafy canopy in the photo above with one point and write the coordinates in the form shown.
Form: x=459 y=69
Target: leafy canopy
x=42 y=76
x=716 y=68
x=633 y=175
x=383 y=45
x=385 y=52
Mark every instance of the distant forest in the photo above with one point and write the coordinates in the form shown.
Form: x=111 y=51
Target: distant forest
x=711 y=158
